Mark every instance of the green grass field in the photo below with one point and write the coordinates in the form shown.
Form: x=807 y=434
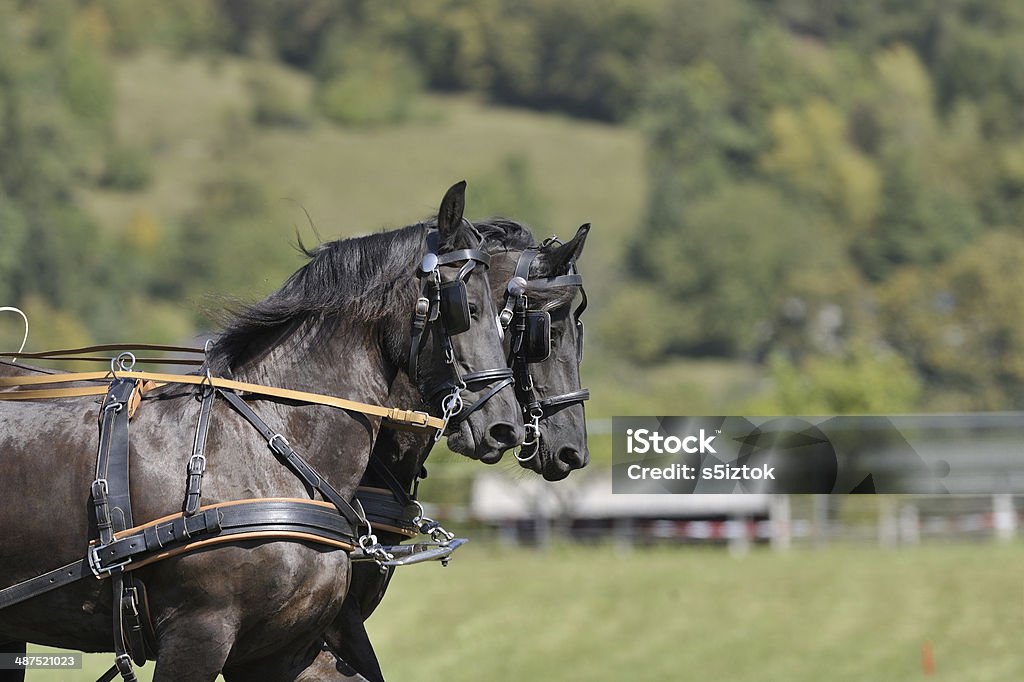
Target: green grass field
x=593 y=613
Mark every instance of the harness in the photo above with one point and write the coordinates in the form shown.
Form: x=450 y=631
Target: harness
x=122 y=546
x=531 y=343
x=450 y=302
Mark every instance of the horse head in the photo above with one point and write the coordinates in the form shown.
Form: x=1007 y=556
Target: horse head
x=544 y=342
x=457 y=361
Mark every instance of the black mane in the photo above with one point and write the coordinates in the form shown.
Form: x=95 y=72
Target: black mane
x=508 y=235
x=505 y=233
x=360 y=279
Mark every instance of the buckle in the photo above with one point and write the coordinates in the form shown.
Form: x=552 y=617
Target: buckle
x=422 y=306
x=282 y=448
x=99 y=488
x=96 y=563
x=196 y=465
x=505 y=317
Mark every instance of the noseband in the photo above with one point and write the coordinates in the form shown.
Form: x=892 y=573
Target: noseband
x=531 y=342
x=449 y=302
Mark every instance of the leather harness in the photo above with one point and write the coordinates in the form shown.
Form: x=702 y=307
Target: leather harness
x=122 y=547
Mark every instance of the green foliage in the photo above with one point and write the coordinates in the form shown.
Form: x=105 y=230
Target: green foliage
x=13 y=236
x=370 y=89
x=962 y=324
x=87 y=84
x=723 y=268
x=235 y=243
x=127 y=169
x=806 y=160
x=274 y=103
x=863 y=380
x=509 y=190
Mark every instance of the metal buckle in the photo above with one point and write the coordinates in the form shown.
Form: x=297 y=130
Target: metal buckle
x=422 y=306
x=283 y=448
x=96 y=564
x=504 y=318
x=192 y=469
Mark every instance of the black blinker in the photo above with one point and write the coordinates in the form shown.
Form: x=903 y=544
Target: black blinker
x=454 y=306
x=537 y=339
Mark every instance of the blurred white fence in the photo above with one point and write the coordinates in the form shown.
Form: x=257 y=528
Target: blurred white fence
x=582 y=507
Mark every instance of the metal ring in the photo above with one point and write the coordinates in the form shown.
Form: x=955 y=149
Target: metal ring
x=524 y=460
x=124 y=362
x=453 y=404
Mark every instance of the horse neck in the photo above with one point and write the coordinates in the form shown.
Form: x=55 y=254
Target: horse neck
x=350 y=364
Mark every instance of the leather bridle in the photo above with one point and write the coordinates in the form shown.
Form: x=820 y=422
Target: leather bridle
x=429 y=308
x=516 y=310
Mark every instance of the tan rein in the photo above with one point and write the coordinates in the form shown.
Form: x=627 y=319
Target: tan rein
x=392 y=414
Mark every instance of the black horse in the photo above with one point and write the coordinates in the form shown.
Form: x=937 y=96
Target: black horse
x=252 y=610
x=549 y=379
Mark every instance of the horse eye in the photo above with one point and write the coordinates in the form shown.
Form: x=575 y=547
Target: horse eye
x=473 y=311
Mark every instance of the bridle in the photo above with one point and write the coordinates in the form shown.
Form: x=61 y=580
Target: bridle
x=531 y=342
x=449 y=301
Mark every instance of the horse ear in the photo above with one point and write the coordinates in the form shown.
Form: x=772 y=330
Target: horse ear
x=449 y=216
x=560 y=258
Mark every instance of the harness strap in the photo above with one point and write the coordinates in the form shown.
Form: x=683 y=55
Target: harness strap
x=400 y=491
x=549 y=405
x=261 y=519
x=197 y=462
x=112 y=507
x=53 y=354
x=300 y=467
x=394 y=414
x=464 y=414
x=386 y=512
x=111 y=498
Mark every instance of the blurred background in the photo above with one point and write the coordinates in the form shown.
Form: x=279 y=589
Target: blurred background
x=799 y=207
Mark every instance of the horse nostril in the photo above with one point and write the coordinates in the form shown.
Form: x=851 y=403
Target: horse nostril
x=572 y=458
x=504 y=435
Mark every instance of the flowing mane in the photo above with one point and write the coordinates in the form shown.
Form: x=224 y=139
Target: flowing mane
x=360 y=280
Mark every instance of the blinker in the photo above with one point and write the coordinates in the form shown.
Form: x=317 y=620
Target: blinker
x=537 y=339
x=454 y=305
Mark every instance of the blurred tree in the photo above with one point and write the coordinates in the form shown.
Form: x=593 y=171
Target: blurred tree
x=727 y=264
x=962 y=325
x=509 y=190
x=864 y=380
x=234 y=244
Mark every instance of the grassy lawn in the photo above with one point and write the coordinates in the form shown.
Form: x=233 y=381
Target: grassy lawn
x=593 y=613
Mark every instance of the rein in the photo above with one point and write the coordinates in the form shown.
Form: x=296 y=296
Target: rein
x=392 y=414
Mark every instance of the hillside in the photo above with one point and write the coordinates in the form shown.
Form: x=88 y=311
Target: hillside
x=193 y=119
